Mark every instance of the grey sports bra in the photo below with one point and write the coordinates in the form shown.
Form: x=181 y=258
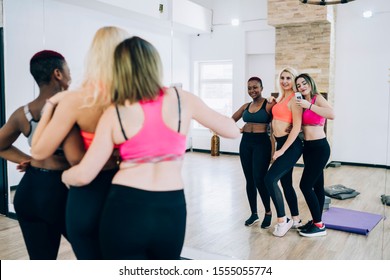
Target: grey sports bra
x=33 y=125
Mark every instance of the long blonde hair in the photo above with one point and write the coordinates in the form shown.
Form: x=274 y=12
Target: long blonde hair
x=293 y=74
x=99 y=63
x=137 y=71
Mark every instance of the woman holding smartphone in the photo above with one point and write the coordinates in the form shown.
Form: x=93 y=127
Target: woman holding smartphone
x=286 y=125
x=316 y=152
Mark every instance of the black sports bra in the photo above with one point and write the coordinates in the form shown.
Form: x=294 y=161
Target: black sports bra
x=261 y=116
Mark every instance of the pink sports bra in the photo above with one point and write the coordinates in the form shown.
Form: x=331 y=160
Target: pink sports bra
x=311 y=118
x=281 y=112
x=155 y=142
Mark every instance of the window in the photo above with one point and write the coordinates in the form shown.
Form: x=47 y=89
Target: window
x=214 y=85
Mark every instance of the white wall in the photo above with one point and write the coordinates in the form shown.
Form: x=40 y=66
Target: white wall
x=33 y=25
x=361 y=127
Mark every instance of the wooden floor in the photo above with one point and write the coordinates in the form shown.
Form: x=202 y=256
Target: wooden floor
x=217 y=208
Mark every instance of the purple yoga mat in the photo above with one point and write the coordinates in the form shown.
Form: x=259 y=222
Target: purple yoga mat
x=350 y=220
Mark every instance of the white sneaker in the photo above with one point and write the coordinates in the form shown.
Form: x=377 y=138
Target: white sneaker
x=297 y=224
x=282 y=228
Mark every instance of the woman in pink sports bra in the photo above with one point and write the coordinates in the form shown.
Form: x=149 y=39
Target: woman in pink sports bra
x=316 y=152
x=145 y=213
x=286 y=125
x=82 y=107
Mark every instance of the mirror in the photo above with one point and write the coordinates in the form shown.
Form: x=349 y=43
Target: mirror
x=46 y=33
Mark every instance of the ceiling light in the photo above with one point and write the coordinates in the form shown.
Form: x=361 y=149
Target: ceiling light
x=367 y=14
x=235 y=22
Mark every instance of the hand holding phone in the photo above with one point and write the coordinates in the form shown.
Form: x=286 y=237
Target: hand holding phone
x=298 y=95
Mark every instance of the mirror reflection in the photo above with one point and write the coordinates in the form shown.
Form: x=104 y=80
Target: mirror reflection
x=203 y=53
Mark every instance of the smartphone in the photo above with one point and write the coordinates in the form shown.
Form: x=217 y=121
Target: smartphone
x=298 y=95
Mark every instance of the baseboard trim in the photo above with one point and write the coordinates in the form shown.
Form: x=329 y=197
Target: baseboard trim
x=208 y=152
x=338 y=163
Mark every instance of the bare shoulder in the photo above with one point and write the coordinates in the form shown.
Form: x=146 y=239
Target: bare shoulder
x=17 y=121
x=321 y=100
x=18 y=117
x=320 y=97
x=186 y=97
x=73 y=97
x=174 y=90
x=110 y=110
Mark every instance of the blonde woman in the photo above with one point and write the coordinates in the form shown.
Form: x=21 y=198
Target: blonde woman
x=83 y=107
x=286 y=125
x=145 y=213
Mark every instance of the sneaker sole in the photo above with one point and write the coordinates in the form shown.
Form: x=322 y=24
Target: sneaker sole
x=255 y=222
x=322 y=233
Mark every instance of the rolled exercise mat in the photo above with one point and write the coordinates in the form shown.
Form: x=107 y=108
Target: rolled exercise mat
x=350 y=220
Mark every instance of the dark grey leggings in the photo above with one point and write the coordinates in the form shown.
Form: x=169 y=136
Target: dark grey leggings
x=282 y=169
x=142 y=225
x=315 y=156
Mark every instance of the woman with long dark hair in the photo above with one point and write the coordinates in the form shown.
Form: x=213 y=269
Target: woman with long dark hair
x=316 y=152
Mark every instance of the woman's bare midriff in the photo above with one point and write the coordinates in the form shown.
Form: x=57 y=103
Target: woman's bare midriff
x=311 y=132
x=162 y=176
x=281 y=128
x=255 y=128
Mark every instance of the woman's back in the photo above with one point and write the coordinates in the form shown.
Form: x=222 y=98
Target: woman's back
x=86 y=116
x=170 y=118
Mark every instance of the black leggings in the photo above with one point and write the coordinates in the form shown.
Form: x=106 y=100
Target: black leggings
x=83 y=212
x=140 y=225
x=40 y=202
x=255 y=156
x=282 y=169
x=315 y=156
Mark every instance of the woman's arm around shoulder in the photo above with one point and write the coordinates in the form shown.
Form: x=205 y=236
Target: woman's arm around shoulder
x=55 y=124
x=97 y=155
x=270 y=105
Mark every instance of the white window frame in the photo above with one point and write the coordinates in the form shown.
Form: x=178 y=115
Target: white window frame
x=199 y=82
